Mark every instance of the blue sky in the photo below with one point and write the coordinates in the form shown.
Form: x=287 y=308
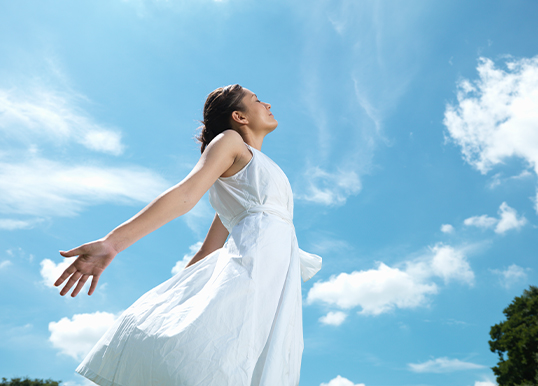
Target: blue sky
x=408 y=130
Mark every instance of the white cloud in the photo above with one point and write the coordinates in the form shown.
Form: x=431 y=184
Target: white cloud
x=330 y=188
x=485 y=383
x=496 y=116
x=447 y=228
x=451 y=264
x=56 y=117
x=334 y=318
x=508 y=219
x=5 y=264
x=512 y=275
x=376 y=291
x=180 y=264
x=42 y=187
x=443 y=365
x=383 y=289
x=83 y=382
x=10 y=224
x=50 y=271
x=75 y=337
x=483 y=221
x=341 y=381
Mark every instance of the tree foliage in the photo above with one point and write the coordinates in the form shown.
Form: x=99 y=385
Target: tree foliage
x=516 y=342
x=29 y=382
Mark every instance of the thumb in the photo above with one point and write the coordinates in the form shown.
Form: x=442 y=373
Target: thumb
x=73 y=252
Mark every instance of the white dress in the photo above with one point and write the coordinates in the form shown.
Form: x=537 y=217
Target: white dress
x=232 y=319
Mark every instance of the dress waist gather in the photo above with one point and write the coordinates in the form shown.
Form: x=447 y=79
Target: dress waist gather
x=282 y=213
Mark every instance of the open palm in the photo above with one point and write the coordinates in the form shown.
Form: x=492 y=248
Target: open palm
x=92 y=260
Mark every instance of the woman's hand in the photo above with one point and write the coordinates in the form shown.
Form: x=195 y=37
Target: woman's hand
x=92 y=260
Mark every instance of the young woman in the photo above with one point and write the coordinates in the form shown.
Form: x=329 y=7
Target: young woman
x=233 y=316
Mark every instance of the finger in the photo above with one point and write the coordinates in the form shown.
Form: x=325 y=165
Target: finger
x=80 y=284
x=73 y=252
x=95 y=279
x=72 y=280
x=68 y=272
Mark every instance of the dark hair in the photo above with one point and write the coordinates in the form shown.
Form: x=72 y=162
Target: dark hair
x=218 y=109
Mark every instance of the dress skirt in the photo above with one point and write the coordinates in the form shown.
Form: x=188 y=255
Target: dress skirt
x=232 y=319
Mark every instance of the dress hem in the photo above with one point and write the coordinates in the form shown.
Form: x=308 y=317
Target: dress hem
x=94 y=377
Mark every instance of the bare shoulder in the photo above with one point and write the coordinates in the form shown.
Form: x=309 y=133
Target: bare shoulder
x=230 y=138
x=228 y=142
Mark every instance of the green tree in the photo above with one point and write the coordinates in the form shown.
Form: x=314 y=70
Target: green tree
x=516 y=342
x=29 y=382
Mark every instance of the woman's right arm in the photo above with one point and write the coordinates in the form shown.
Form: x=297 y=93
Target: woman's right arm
x=215 y=239
x=94 y=257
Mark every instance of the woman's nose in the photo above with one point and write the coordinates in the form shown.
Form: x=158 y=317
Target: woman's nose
x=267 y=106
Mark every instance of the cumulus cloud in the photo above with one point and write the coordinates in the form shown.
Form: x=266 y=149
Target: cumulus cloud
x=447 y=228
x=42 y=187
x=75 y=337
x=334 y=318
x=180 y=264
x=496 y=116
x=508 y=219
x=341 y=381
x=376 y=290
x=512 y=275
x=385 y=288
x=443 y=365
x=450 y=264
x=331 y=189
x=55 y=117
x=50 y=271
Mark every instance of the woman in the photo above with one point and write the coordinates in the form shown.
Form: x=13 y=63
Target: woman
x=233 y=316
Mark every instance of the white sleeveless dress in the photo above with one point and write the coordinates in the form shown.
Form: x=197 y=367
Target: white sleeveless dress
x=232 y=319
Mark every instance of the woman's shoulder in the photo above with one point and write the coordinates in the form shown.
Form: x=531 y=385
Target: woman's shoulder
x=227 y=142
x=230 y=137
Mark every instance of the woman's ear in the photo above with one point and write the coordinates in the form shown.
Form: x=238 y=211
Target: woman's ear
x=239 y=117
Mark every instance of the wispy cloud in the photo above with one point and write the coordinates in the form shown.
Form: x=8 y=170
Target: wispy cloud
x=41 y=187
x=512 y=275
x=365 y=84
x=508 y=219
x=43 y=114
x=443 y=365
x=76 y=336
x=5 y=264
x=385 y=288
x=496 y=116
x=331 y=189
x=11 y=224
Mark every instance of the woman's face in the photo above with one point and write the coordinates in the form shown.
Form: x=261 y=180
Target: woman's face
x=258 y=113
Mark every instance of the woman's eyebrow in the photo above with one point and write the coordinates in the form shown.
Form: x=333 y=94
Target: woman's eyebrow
x=255 y=96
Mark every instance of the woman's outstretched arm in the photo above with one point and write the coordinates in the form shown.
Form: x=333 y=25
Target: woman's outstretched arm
x=215 y=239
x=94 y=257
